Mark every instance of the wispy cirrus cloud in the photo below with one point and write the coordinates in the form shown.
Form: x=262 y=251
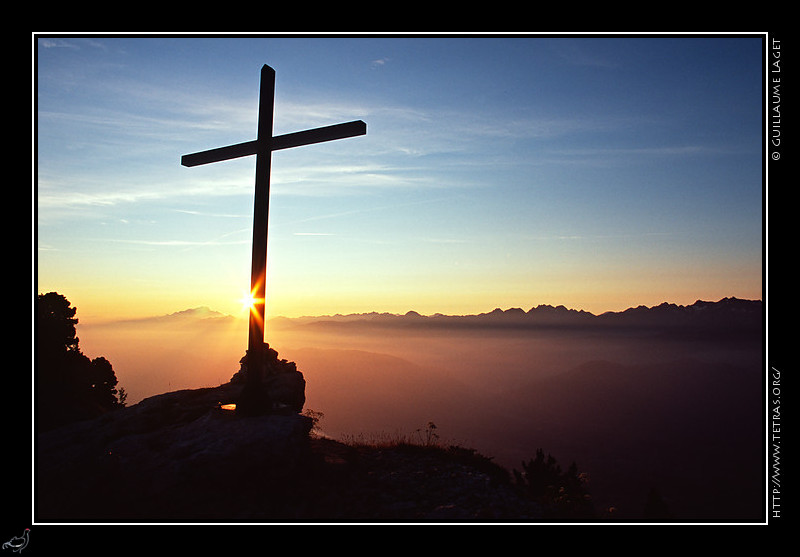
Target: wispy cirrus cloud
x=182 y=243
x=665 y=151
x=56 y=43
x=75 y=43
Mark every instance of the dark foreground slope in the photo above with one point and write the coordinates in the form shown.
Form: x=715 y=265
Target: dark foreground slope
x=179 y=457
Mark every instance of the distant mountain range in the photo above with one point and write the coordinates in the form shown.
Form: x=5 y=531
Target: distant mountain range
x=188 y=317
x=726 y=314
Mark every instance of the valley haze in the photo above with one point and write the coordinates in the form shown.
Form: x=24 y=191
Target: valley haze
x=666 y=397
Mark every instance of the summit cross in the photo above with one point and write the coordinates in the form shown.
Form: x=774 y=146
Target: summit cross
x=253 y=396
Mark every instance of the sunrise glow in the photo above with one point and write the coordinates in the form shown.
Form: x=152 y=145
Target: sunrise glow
x=546 y=191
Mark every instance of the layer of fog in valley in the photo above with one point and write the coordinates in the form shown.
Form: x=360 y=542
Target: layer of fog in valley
x=636 y=407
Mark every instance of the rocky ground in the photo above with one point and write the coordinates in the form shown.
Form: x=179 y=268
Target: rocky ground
x=181 y=457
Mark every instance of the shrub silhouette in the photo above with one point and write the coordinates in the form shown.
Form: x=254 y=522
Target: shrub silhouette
x=69 y=386
x=562 y=494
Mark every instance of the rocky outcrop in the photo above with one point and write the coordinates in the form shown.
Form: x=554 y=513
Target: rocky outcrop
x=284 y=385
x=181 y=457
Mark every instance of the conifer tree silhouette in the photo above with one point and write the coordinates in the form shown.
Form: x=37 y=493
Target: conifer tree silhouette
x=68 y=385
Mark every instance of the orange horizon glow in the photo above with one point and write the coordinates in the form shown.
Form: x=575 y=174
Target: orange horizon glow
x=96 y=311
x=97 y=305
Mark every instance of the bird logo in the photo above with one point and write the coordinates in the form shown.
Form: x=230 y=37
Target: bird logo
x=18 y=543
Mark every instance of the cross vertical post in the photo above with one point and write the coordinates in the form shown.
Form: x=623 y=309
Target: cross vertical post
x=258 y=271
x=254 y=398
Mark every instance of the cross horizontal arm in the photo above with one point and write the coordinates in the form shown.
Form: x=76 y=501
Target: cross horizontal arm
x=220 y=154
x=318 y=135
x=286 y=141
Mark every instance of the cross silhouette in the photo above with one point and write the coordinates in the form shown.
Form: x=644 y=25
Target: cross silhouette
x=253 y=397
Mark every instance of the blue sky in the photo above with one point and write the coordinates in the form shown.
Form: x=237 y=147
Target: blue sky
x=598 y=173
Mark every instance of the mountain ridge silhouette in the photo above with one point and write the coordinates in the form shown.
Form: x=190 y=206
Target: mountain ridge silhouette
x=737 y=308
x=729 y=312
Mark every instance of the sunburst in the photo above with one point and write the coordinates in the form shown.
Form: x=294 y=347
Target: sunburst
x=249 y=301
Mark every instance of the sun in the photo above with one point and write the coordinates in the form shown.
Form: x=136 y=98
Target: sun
x=249 y=301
